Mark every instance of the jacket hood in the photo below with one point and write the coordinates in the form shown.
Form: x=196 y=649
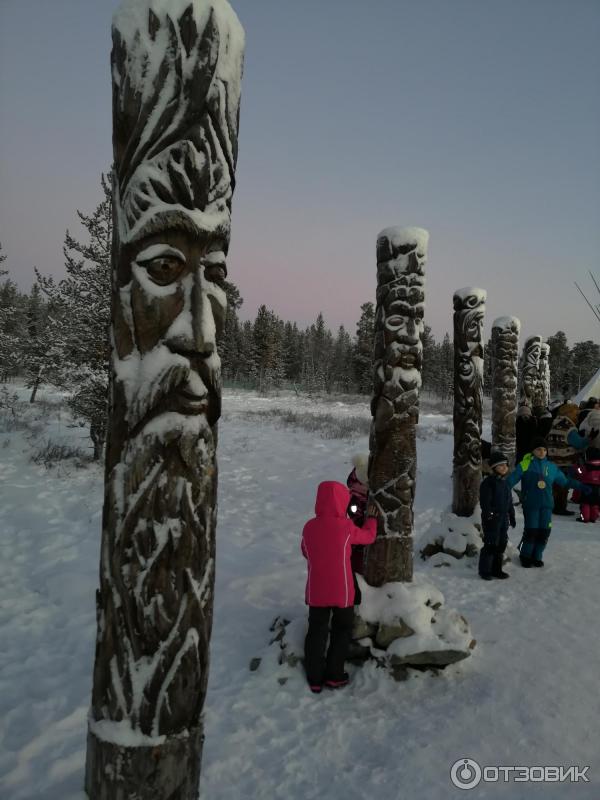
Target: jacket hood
x=332 y=499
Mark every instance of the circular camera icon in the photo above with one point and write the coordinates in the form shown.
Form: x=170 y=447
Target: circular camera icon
x=465 y=773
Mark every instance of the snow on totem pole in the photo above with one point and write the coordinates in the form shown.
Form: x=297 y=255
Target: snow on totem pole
x=469 y=309
x=505 y=367
x=543 y=379
x=401 y=257
x=176 y=70
x=529 y=367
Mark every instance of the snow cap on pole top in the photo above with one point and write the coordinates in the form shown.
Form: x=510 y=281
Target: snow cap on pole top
x=400 y=238
x=507 y=323
x=471 y=291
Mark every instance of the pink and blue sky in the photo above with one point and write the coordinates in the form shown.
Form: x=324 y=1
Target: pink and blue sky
x=476 y=119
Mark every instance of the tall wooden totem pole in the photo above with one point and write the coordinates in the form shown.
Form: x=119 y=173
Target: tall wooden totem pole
x=401 y=257
x=543 y=380
x=529 y=367
x=505 y=363
x=176 y=70
x=469 y=310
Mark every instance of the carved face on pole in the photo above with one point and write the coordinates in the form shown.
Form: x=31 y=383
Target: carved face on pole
x=399 y=326
x=530 y=366
x=175 y=140
x=469 y=308
x=178 y=307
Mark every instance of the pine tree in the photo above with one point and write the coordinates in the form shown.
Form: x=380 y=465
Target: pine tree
x=559 y=365
x=363 y=349
x=342 y=362
x=80 y=316
x=430 y=358
x=585 y=359
x=228 y=343
x=445 y=380
x=12 y=325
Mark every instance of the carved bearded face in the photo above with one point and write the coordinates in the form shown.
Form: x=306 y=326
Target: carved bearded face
x=177 y=308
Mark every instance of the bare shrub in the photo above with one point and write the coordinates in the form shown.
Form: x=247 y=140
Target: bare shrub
x=52 y=452
x=328 y=426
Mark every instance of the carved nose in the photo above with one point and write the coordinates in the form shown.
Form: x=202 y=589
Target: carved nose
x=203 y=322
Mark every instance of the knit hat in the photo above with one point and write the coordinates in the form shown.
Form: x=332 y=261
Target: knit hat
x=523 y=411
x=497 y=458
x=539 y=441
x=569 y=410
x=360 y=462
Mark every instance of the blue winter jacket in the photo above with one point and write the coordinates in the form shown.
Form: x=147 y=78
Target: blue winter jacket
x=533 y=471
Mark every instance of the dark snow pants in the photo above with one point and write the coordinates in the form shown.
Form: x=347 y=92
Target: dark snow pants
x=322 y=662
x=490 y=555
x=538 y=523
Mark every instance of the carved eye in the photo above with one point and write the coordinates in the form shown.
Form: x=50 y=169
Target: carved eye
x=216 y=273
x=164 y=269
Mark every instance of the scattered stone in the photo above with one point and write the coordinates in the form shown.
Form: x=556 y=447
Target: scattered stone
x=431 y=549
x=386 y=634
x=255 y=664
x=430 y=658
x=282 y=681
x=362 y=629
x=399 y=672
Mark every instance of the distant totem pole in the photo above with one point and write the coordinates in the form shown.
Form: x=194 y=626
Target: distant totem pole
x=542 y=397
x=505 y=363
x=176 y=70
x=469 y=310
x=401 y=257
x=529 y=368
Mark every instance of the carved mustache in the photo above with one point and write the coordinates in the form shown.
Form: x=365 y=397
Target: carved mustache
x=190 y=387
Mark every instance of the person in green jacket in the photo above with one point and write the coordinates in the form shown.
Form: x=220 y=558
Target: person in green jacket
x=537 y=476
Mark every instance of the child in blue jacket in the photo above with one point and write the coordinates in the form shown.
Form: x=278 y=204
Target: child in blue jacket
x=537 y=475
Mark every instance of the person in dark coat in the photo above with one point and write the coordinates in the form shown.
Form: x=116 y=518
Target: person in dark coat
x=589 y=405
x=358 y=484
x=589 y=474
x=525 y=430
x=497 y=512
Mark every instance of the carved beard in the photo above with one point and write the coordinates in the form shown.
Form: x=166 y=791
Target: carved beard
x=160 y=524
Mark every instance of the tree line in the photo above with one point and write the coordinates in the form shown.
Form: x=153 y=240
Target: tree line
x=59 y=333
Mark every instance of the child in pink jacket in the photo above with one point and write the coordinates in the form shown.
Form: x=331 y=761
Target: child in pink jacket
x=327 y=541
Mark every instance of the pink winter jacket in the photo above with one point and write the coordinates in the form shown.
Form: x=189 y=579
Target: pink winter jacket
x=327 y=541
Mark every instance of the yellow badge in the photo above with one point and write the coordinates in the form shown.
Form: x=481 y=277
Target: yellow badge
x=541 y=484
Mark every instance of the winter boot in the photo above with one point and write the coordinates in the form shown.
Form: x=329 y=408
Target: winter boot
x=501 y=575
x=316 y=688
x=486 y=577
x=541 y=540
x=338 y=683
x=527 y=545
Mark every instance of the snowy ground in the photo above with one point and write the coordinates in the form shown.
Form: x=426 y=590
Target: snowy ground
x=527 y=696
